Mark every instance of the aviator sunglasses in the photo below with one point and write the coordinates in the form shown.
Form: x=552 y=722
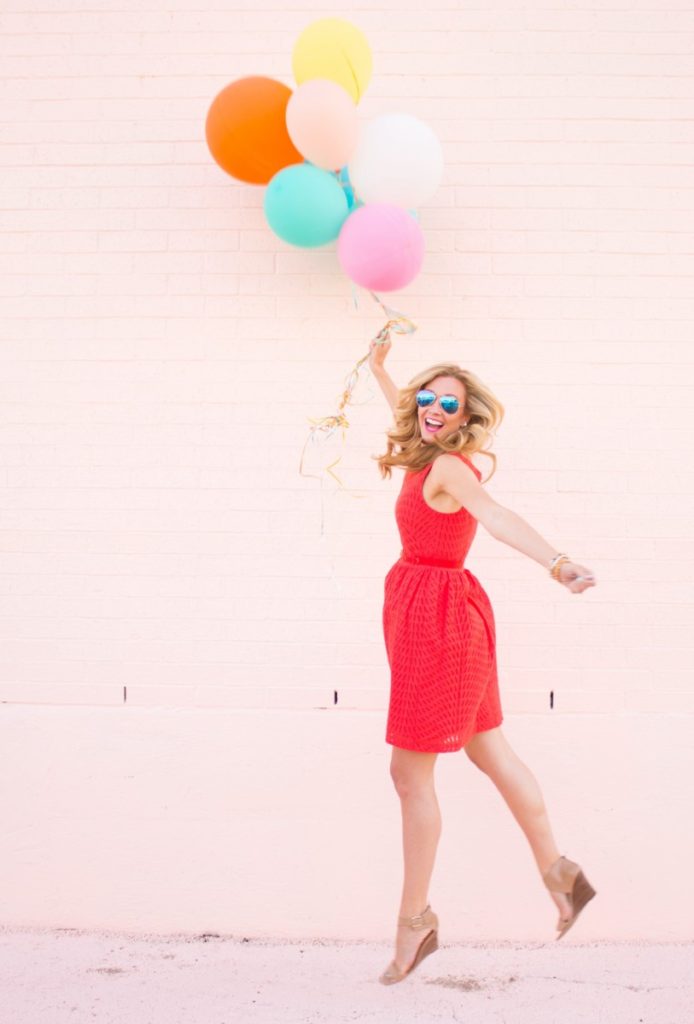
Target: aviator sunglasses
x=449 y=403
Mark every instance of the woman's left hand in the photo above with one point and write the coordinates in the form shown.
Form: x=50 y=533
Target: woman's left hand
x=576 y=578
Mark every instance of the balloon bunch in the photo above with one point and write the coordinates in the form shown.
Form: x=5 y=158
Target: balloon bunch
x=327 y=179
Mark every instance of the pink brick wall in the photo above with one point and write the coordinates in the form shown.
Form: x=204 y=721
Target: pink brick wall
x=161 y=351
x=156 y=533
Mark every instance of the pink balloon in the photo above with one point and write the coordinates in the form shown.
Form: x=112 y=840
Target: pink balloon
x=322 y=123
x=381 y=247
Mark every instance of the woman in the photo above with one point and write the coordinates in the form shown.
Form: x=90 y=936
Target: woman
x=440 y=637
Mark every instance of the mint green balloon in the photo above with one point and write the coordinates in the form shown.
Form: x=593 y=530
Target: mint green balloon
x=305 y=206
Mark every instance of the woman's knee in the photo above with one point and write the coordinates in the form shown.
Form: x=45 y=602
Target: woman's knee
x=408 y=785
x=412 y=776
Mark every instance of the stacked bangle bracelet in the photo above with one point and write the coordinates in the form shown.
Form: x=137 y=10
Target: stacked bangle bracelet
x=555 y=565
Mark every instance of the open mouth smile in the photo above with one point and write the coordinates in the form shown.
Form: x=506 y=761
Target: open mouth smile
x=431 y=425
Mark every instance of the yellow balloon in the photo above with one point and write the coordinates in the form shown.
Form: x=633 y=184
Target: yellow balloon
x=334 y=49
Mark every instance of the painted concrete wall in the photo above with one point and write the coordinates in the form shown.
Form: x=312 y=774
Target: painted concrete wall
x=181 y=610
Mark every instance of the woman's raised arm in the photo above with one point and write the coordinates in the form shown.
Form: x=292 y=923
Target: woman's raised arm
x=377 y=356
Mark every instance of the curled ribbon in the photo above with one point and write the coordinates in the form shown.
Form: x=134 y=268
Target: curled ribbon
x=324 y=428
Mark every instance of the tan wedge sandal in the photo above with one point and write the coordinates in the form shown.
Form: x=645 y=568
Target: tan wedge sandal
x=426 y=920
x=566 y=877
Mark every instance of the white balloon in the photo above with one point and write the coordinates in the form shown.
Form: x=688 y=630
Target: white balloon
x=398 y=160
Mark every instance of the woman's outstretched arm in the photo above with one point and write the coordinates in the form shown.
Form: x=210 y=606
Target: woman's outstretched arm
x=377 y=355
x=451 y=475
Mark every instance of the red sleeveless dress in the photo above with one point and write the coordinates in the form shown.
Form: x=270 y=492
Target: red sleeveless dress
x=439 y=629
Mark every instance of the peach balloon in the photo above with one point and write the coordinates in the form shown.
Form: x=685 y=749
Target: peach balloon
x=322 y=123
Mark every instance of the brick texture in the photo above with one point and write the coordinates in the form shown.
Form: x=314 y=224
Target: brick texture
x=161 y=351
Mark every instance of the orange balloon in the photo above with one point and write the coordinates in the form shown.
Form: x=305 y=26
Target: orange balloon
x=246 y=129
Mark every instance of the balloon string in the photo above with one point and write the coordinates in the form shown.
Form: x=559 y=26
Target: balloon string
x=326 y=426
x=342 y=178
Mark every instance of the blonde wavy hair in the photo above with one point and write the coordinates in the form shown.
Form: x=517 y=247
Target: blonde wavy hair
x=405 y=446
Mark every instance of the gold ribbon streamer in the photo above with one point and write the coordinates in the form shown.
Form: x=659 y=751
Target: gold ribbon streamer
x=323 y=428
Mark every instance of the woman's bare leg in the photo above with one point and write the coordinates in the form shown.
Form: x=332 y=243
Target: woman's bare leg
x=413 y=775
x=491 y=753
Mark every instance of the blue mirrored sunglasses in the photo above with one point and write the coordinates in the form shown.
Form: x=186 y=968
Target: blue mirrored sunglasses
x=449 y=403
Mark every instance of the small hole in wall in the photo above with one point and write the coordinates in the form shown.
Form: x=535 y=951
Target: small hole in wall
x=125 y=694
x=334 y=696
x=551 y=699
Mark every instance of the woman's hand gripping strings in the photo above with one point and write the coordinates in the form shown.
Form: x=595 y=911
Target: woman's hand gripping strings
x=449 y=474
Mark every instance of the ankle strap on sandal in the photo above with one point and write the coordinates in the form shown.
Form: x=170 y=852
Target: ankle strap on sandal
x=418 y=921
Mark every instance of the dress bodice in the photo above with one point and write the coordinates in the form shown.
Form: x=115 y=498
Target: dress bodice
x=426 y=532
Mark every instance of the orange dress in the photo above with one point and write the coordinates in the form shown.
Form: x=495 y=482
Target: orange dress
x=439 y=629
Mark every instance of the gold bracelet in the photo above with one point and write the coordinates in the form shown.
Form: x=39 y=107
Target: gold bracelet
x=556 y=564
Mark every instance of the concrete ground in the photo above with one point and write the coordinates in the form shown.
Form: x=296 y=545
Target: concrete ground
x=70 y=976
